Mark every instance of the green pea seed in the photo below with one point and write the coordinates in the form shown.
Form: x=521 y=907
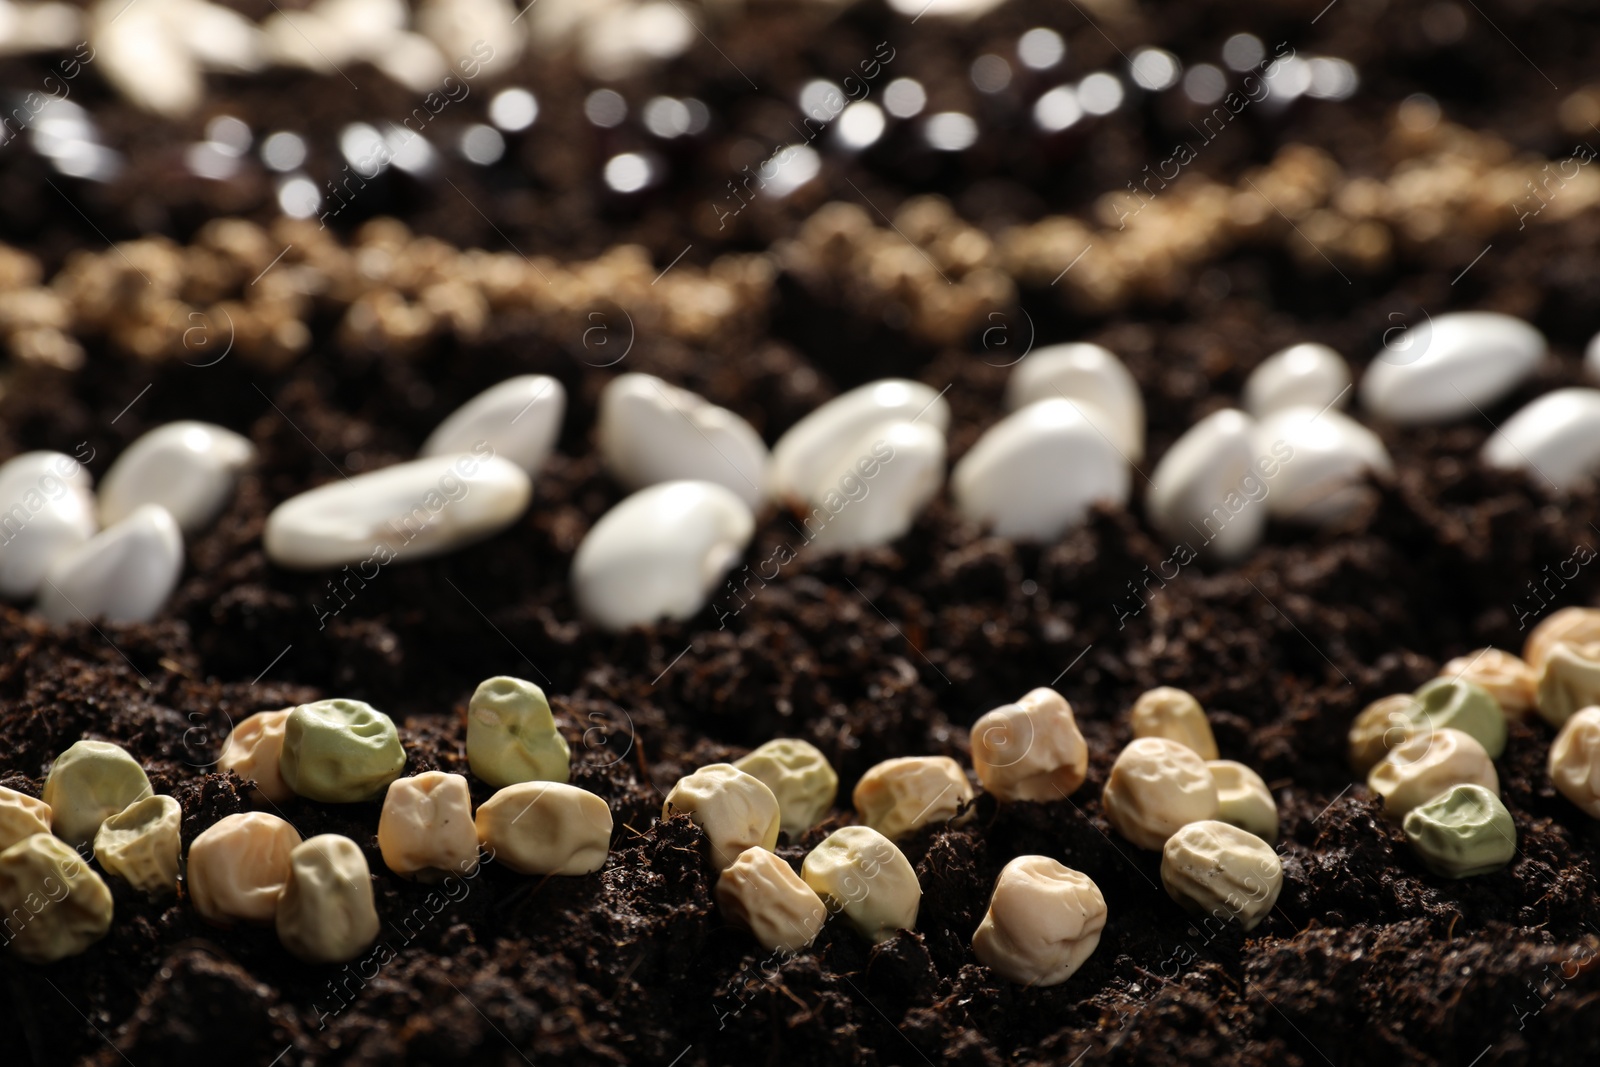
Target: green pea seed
x=1461 y=705
x=90 y=781
x=1463 y=831
x=340 y=751
x=512 y=737
x=799 y=776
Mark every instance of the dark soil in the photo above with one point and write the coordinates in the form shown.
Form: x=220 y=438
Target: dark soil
x=1367 y=958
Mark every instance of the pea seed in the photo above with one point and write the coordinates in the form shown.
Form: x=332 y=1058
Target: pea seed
x=237 y=867
x=54 y=905
x=512 y=737
x=326 y=913
x=340 y=751
x=1382 y=725
x=1043 y=923
x=1175 y=715
x=546 y=828
x=858 y=871
x=89 y=781
x=901 y=795
x=139 y=844
x=1568 y=680
x=1463 y=831
x=1428 y=764
x=1462 y=705
x=1507 y=678
x=1155 y=787
x=1030 y=750
x=1215 y=869
x=1574 y=762
x=426 y=831
x=254 y=751
x=761 y=893
x=799 y=776
x=21 y=816
x=735 y=810
x=1243 y=799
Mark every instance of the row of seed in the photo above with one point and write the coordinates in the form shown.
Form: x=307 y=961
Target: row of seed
x=254 y=867
x=1429 y=755
x=1043 y=922
x=860 y=468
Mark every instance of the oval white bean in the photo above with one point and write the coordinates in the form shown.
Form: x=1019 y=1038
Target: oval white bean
x=125 y=573
x=650 y=431
x=189 y=468
x=1450 y=366
x=820 y=443
x=1298 y=376
x=46 y=509
x=407 y=511
x=1035 y=473
x=1555 y=439
x=519 y=419
x=875 y=511
x=1207 y=487
x=1324 y=480
x=1091 y=374
x=659 y=553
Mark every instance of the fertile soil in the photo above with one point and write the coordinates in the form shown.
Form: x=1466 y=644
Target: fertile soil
x=1367 y=957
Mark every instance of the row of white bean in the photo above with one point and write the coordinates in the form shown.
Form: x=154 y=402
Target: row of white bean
x=859 y=469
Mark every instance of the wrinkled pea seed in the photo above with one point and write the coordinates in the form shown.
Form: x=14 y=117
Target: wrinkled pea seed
x=898 y=796
x=736 y=810
x=21 y=816
x=1215 y=869
x=546 y=828
x=254 y=751
x=761 y=893
x=1384 y=724
x=425 y=830
x=238 y=865
x=1175 y=715
x=1507 y=678
x=89 y=781
x=53 y=904
x=1465 y=830
x=1573 y=625
x=326 y=913
x=1568 y=680
x=1030 y=750
x=1243 y=799
x=799 y=775
x=512 y=736
x=340 y=751
x=1462 y=705
x=139 y=844
x=1427 y=765
x=1043 y=923
x=1155 y=787
x=1574 y=762
x=859 y=872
